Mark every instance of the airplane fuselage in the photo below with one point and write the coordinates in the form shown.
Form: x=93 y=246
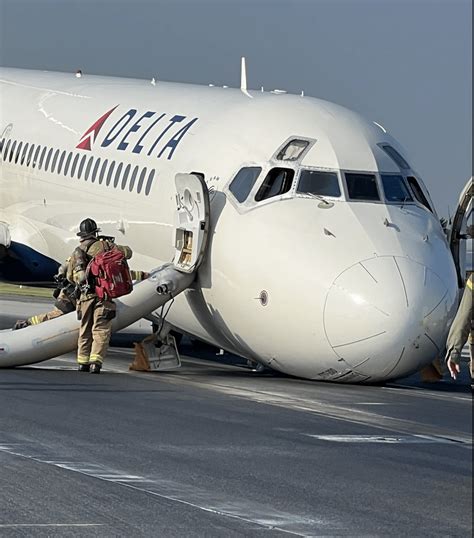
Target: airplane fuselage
x=355 y=284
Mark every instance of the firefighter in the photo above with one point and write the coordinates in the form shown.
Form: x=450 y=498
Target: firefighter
x=95 y=314
x=461 y=330
x=65 y=295
x=66 y=299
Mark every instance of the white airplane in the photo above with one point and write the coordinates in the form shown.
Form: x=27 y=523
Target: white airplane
x=326 y=259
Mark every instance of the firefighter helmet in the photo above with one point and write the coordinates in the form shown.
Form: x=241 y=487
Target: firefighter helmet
x=88 y=227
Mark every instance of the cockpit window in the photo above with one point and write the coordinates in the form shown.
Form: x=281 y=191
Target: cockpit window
x=395 y=156
x=418 y=192
x=244 y=181
x=362 y=187
x=395 y=189
x=319 y=182
x=278 y=181
x=293 y=150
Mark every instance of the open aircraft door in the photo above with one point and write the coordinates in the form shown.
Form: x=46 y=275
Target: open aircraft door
x=458 y=234
x=191 y=221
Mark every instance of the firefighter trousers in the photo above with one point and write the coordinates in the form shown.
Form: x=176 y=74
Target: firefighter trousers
x=95 y=330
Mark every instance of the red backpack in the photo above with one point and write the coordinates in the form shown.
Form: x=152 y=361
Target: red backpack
x=111 y=274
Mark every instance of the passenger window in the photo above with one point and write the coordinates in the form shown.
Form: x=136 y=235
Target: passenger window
x=55 y=160
x=88 y=169
x=109 y=175
x=395 y=189
x=141 y=180
x=23 y=155
x=5 y=153
x=67 y=164
x=102 y=171
x=418 y=192
x=81 y=167
x=12 y=151
x=61 y=162
x=243 y=182
x=117 y=175
x=133 y=178
x=125 y=176
x=277 y=182
x=362 y=187
x=149 y=183
x=96 y=169
x=74 y=165
x=18 y=150
x=35 y=158
x=30 y=155
x=318 y=182
x=48 y=159
x=395 y=156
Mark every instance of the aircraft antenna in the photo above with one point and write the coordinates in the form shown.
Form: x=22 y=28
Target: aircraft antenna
x=243 y=77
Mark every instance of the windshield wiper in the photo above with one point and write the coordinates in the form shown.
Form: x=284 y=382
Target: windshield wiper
x=317 y=197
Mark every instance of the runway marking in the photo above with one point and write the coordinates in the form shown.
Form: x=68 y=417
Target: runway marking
x=238 y=509
x=387 y=439
x=352 y=415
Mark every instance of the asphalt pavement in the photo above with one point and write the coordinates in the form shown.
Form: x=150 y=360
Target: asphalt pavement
x=217 y=450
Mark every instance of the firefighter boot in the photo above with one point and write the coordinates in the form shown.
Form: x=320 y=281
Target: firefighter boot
x=95 y=368
x=84 y=367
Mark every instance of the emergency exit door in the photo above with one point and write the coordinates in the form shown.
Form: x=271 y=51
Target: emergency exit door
x=191 y=221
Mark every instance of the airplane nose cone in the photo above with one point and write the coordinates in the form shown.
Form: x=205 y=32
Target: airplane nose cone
x=386 y=317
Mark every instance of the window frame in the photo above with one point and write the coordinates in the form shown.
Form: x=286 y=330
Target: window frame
x=380 y=191
x=275 y=196
x=295 y=162
x=399 y=159
x=340 y=181
x=405 y=181
x=429 y=207
x=248 y=197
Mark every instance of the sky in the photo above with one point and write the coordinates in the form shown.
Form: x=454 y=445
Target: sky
x=406 y=64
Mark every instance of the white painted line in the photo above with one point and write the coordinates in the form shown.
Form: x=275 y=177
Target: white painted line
x=208 y=501
x=370 y=403
x=383 y=439
x=346 y=414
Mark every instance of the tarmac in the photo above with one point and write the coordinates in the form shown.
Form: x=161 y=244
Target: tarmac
x=214 y=449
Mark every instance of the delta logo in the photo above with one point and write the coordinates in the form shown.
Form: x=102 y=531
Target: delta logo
x=151 y=133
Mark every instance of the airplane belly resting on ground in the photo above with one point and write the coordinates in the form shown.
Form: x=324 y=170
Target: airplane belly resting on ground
x=320 y=308
x=37 y=343
x=326 y=258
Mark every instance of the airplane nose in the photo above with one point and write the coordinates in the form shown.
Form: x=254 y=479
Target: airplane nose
x=386 y=317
